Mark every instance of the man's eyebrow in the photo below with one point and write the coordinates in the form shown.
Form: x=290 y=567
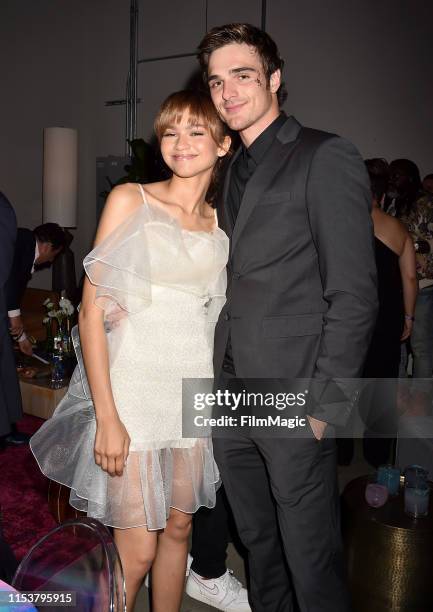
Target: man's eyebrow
x=243 y=69
x=214 y=77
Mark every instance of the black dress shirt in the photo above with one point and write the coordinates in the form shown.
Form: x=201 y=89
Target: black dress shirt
x=246 y=163
x=242 y=170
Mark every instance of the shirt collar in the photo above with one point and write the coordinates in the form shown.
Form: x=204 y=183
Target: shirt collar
x=36 y=256
x=262 y=143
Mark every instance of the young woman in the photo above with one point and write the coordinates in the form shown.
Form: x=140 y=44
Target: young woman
x=397 y=292
x=155 y=286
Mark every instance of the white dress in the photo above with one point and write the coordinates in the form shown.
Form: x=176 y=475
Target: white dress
x=162 y=289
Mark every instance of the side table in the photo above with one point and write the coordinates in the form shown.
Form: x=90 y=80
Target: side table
x=38 y=397
x=389 y=554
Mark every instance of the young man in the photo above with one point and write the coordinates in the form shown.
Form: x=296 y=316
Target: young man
x=301 y=303
x=32 y=248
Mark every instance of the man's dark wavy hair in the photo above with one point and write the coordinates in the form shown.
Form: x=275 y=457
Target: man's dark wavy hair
x=52 y=233
x=410 y=169
x=243 y=33
x=378 y=171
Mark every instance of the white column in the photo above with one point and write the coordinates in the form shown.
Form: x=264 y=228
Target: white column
x=60 y=176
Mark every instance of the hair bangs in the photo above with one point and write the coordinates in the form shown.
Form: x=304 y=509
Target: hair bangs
x=197 y=106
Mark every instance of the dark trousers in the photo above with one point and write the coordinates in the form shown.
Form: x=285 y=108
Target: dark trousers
x=210 y=536
x=10 y=395
x=284 y=497
x=377 y=404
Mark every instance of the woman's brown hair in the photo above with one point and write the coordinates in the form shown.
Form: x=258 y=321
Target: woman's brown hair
x=200 y=109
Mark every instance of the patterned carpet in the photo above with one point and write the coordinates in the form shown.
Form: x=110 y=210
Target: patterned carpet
x=23 y=494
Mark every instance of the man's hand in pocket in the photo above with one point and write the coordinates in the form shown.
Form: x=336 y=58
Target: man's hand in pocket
x=317 y=426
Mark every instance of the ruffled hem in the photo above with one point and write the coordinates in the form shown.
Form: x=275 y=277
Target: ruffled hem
x=153 y=480
x=152 y=483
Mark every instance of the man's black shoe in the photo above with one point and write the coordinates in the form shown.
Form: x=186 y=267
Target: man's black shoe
x=17 y=439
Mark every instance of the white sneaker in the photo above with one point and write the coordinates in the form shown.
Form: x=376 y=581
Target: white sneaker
x=188 y=567
x=225 y=593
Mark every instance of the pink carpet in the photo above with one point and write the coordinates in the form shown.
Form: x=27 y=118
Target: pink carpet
x=23 y=494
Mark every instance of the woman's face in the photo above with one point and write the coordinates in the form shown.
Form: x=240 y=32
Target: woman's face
x=189 y=149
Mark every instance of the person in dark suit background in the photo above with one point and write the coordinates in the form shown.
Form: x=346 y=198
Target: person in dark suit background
x=10 y=397
x=301 y=303
x=33 y=250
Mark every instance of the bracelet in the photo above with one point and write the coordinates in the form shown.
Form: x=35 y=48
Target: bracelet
x=409 y=317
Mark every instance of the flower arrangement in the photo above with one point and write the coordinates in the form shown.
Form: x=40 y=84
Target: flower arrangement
x=62 y=314
x=65 y=309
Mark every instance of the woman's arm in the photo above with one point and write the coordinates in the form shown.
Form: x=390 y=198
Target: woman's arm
x=112 y=439
x=410 y=284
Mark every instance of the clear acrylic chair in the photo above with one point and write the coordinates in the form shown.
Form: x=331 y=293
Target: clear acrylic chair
x=80 y=557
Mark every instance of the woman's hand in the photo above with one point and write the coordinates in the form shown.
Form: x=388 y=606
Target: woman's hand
x=111 y=445
x=407 y=330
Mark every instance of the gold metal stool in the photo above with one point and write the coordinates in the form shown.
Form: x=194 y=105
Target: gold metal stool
x=389 y=554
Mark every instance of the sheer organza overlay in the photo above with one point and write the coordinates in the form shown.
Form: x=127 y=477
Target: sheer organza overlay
x=161 y=288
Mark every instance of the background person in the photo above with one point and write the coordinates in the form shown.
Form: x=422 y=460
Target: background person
x=32 y=249
x=10 y=396
x=427 y=183
x=419 y=222
x=397 y=291
x=403 y=188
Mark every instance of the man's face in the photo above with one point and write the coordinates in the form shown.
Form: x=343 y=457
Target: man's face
x=399 y=180
x=427 y=185
x=47 y=253
x=237 y=83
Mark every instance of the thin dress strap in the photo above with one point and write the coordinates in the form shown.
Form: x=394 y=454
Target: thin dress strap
x=142 y=193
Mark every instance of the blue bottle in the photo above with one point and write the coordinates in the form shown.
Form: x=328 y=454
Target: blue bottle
x=58 y=365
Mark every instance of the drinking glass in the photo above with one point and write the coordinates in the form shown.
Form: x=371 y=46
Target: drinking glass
x=389 y=477
x=416 y=500
x=376 y=495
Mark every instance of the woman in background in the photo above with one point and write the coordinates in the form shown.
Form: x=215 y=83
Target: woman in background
x=397 y=283
x=155 y=287
x=397 y=291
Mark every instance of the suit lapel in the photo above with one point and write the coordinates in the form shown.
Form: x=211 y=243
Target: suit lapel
x=275 y=157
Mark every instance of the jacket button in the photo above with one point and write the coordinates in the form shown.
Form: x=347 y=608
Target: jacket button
x=236 y=275
x=227 y=316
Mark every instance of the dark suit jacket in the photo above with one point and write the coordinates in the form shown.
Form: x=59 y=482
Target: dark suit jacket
x=10 y=398
x=8 y=234
x=301 y=297
x=20 y=274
